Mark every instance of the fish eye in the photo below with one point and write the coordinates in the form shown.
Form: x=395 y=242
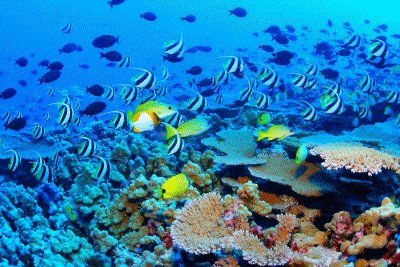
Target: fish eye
x=163 y=191
x=169 y=107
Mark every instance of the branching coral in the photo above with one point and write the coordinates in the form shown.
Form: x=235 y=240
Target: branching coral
x=238 y=145
x=199 y=228
x=356 y=158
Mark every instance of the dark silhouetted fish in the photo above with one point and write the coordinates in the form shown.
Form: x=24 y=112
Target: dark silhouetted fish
x=22 y=62
x=273 y=29
x=282 y=57
x=95 y=89
x=93 y=109
x=55 y=66
x=8 y=93
x=280 y=39
x=150 y=16
x=189 y=18
x=50 y=76
x=69 y=48
x=383 y=27
x=172 y=58
x=290 y=28
x=396 y=36
x=205 y=82
x=195 y=70
x=115 y=2
x=238 y=12
x=22 y=83
x=44 y=63
x=344 y=52
x=113 y=56
x=16 y=124
x=330 y=73
x=105 y=41
x=84 y=66
x=266 y=48
x=329 y=23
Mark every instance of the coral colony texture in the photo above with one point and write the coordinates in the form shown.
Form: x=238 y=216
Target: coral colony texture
x=265 y=133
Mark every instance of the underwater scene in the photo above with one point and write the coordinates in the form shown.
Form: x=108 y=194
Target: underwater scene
x=197 y=133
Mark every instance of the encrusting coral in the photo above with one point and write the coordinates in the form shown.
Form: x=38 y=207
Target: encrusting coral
x=356 y=158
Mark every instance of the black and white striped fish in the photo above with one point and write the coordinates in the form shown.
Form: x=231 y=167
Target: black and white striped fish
x=334 y=106
x=47 y=116
x=222 y=77
x=378 y=48
x=234 y=64
x=393 y=97
x=197 y=104
x=175 y=145
x=50 y=92
x=6 y=117
x=333 y=89
x=312 y=83
x=145 y=80
x=245 y=94
x=38 y=131
x=299 y=80
x=175 y=119
x=161 y=90
x=125 y=62
x=111 y=92
x=120 y=120
x=37 y=166
x=67 y=28
x=174 y=48
x=365 y=113
x=219 y=98
x=165 y=74
x=129 y=94
x=352 y=41
x=77 y=121
x=103 y=170
x=56 y=158
x=87 y=148
x=268 y=77
x=310 y=113
x=77 y=105
x=312 y=70
x=367 y=84
x=264 y=100
x=46 y=174
x=15 y=160
x=18 y=115
x=65 y=114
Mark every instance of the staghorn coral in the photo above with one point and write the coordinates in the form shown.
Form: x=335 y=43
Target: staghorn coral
x=238 y=145
x=281 y=170
x=356 y=158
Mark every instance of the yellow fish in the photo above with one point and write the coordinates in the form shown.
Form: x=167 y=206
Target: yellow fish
x=275 y=132
x=191 y=127
x=161 y=109
x=174 y=186
x=264 y=119
x=143 y=121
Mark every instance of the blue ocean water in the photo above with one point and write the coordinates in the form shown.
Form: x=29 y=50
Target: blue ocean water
x=332 y=146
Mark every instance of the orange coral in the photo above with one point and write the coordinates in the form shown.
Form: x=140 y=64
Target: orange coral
x=229 y=261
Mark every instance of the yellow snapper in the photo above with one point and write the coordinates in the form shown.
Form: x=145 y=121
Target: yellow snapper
x=174 y=186
x=191 y=127
x=161 y=109
x=143 y=121
x=275 y=132
x=264 y=119
x=301 y=154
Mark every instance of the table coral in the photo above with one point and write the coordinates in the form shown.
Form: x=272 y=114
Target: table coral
x=356 y=158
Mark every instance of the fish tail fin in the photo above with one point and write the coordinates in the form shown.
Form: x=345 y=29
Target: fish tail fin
x=260 y=135
x=101 y=55
x=170 y=131
x=110 y=4
x=40 y=81
x=60 y=51
x=182 y=19
x=164 y=57
x=81 y=113
x=230 y=12
x=117 y=40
